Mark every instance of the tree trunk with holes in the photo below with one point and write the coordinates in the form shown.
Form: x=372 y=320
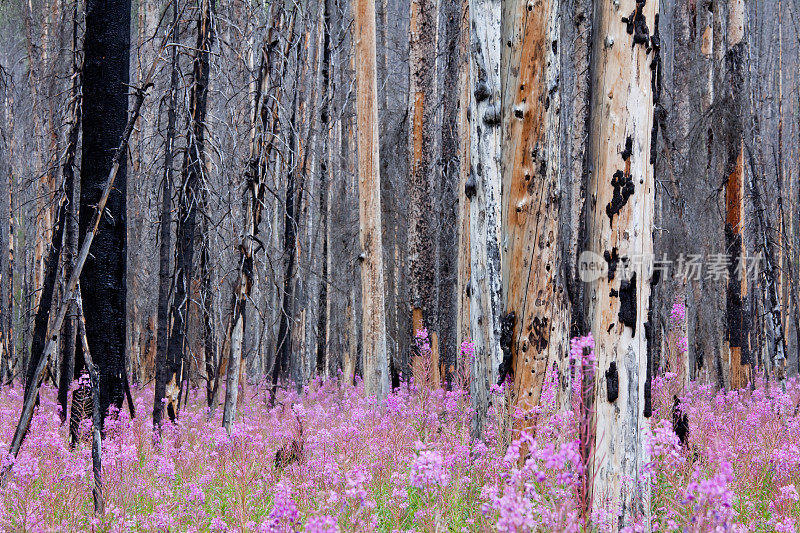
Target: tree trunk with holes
x=620 y=234
x=376 y=367
x=533 y=284
x=483 y=190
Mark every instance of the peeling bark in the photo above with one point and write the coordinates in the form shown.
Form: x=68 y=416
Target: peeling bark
x=483 y=188
x=376 y=366
x=533 y=286
x=622 y=126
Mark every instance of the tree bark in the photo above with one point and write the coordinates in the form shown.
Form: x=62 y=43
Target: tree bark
x=463 y=331
x=533 y=284
x=189 y=202
x=71 y=285
x=376 y=368
x=162 y=366
x=620 y=229
x=422 y=149
x=105 y=112
x=732 y=135
x=483 y=188
x=69 y=332
x=46 y=299
x=265 y=127
x=97 y=420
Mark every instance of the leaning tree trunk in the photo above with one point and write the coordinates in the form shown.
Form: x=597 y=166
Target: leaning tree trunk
x=46 y=299
x=533 y=284
x=105 y=113
x=376 y=366
x=482 y=188
x=620 y=230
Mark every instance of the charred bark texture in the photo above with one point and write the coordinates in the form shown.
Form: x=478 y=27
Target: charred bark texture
x=162 y=365
x=105 y=113
x=189 y=204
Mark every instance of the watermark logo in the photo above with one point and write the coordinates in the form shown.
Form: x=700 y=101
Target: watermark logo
x=591 y=266
x=686 y=267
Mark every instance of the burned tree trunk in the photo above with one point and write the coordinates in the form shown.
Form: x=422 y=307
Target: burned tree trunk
x=463 y=330
x=533 y=284
x=731 y=128
x=189 y=202
x=770 y=275
x=105 y=112
x=482 y=188
x=99 y=212
x=97 y=419
x=283 y=350
x=422 y=148
x=69 y=333
x=46 y=299
x=620 y=231
x=376 y=366
x=162 y=367
x=265 y=124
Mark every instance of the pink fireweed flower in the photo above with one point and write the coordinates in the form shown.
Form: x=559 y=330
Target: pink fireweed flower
x=427 y=469
x=422 y=341
x=678 y=313
x=582 y=350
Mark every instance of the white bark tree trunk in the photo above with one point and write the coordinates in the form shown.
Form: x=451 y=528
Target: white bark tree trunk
x=620 y=228
x=483 y=189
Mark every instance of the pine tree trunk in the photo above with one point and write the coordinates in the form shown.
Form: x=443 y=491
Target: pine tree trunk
x=731 y=130
x=463 y=331
x=376 y=367
x=620 y=230
x=105 y=113
x=189 y=198
x=265 y=124
x=422 y=149
x=533 y=280
x=162 y=366
x=70 y=330
x=483 y=190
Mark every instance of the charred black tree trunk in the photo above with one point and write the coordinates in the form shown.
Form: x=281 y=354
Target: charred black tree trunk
x=284 y=346
x=189 y=199
x=105 y=114
x=165 y=237
x=447 y=184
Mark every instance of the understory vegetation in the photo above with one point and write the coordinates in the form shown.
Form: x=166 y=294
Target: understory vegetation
x=332 y=459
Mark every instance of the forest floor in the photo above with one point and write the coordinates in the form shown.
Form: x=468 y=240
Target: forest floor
x=407 y=464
